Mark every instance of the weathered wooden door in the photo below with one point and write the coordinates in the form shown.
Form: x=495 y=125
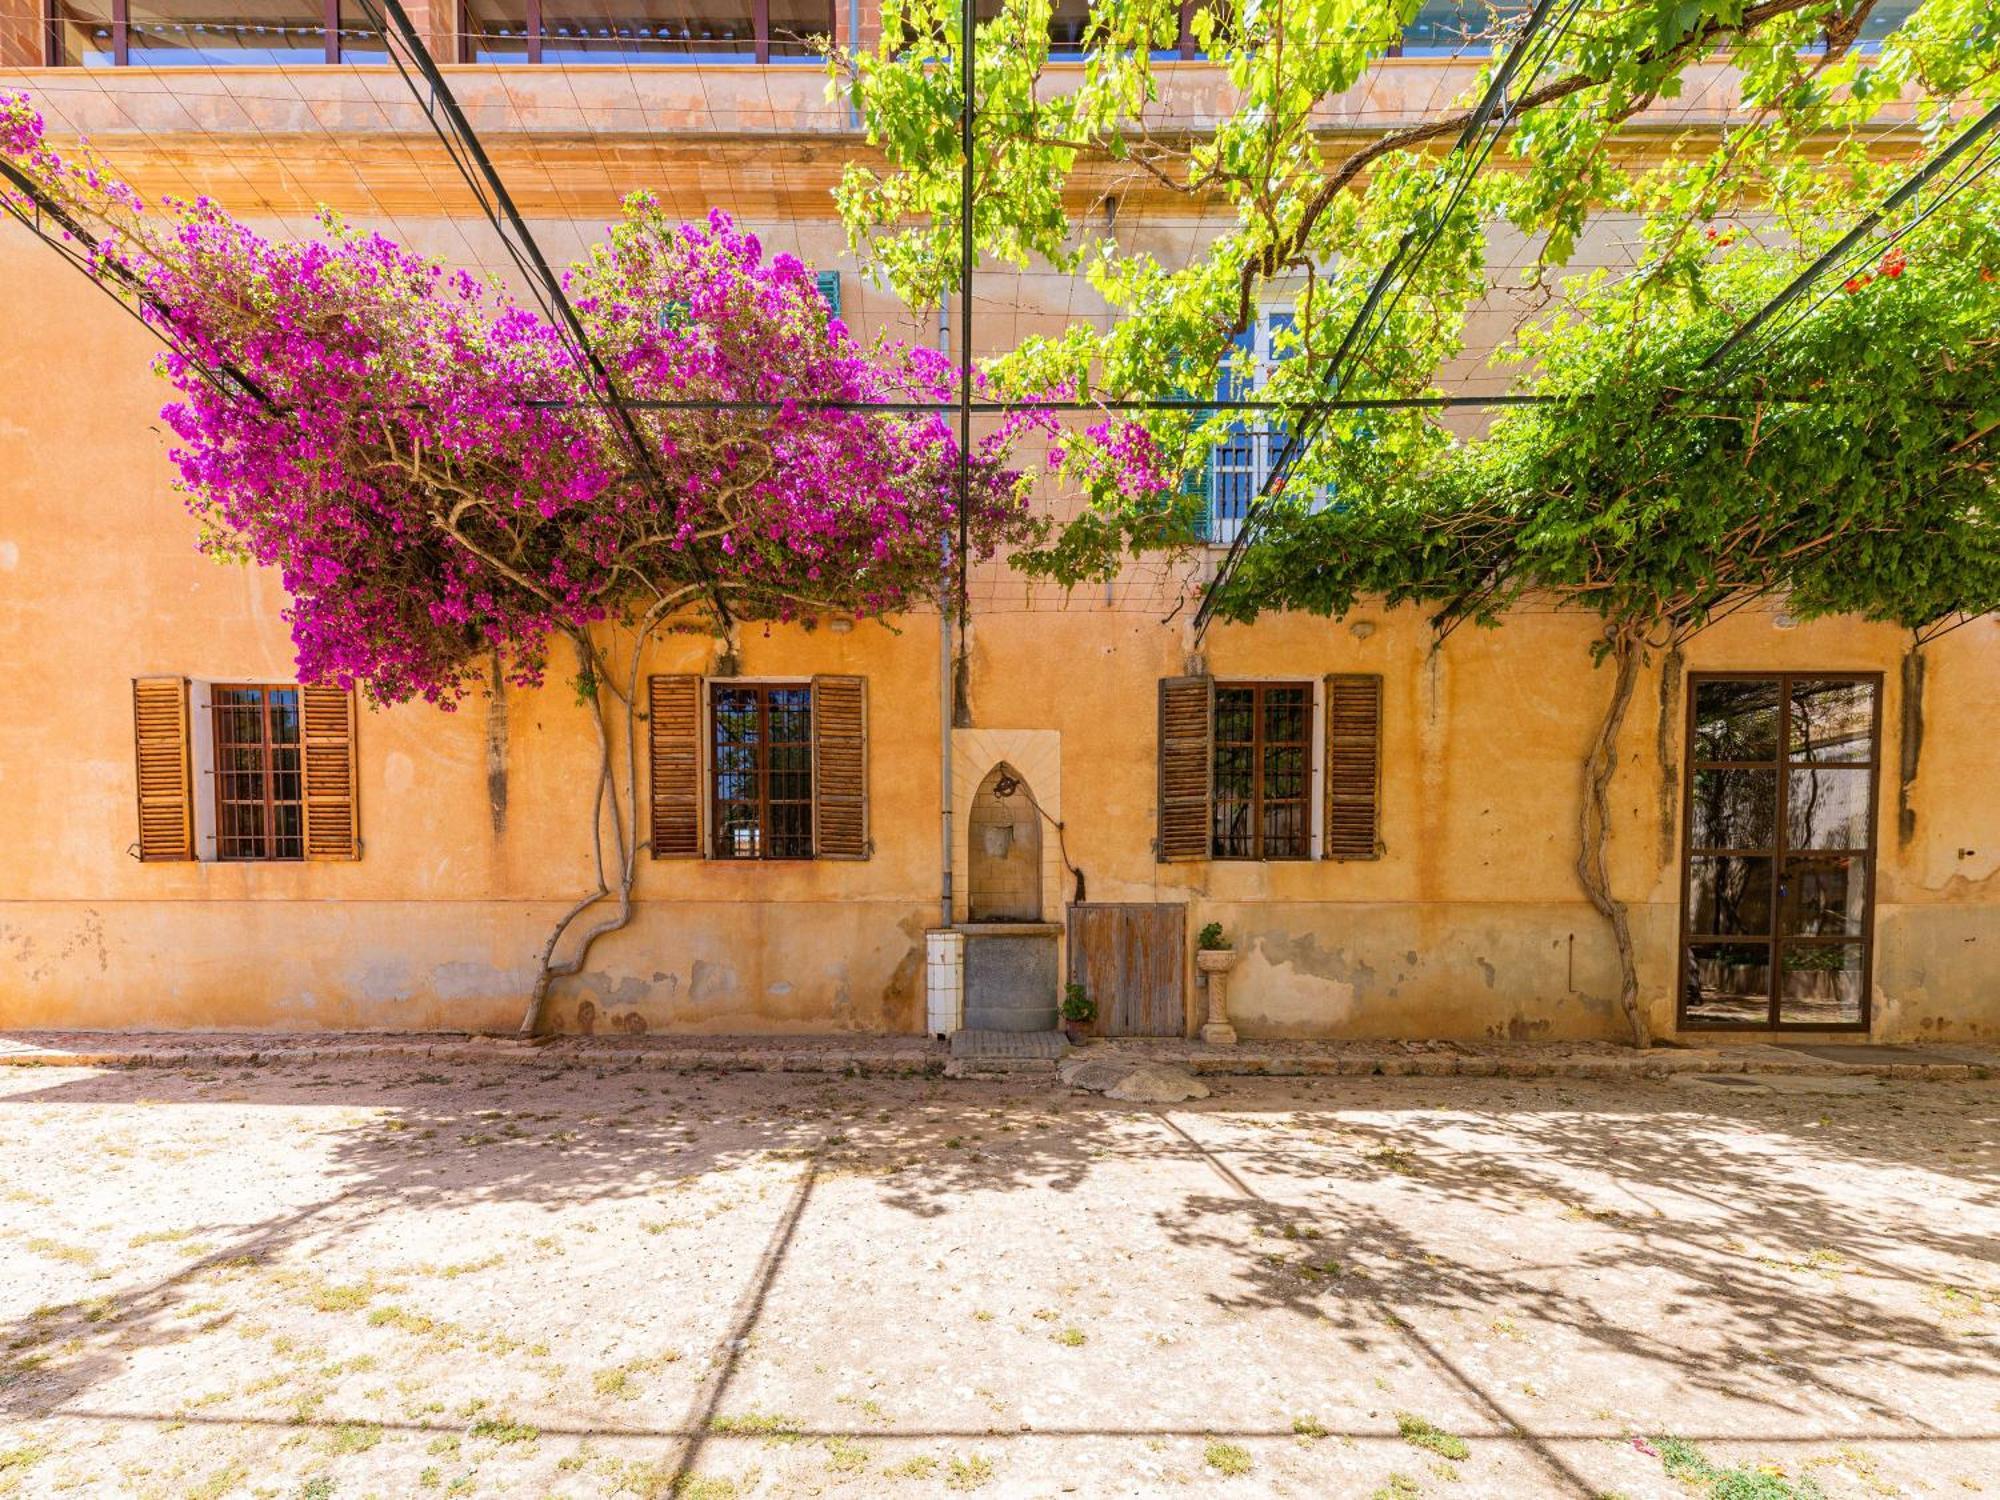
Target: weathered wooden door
x=1131 y=958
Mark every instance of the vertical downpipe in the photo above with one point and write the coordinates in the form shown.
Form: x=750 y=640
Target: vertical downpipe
x=945 y=683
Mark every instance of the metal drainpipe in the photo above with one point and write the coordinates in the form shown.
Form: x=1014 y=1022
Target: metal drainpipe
x=946 y=690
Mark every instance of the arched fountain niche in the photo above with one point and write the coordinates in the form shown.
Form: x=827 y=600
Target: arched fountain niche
x=1005 y=835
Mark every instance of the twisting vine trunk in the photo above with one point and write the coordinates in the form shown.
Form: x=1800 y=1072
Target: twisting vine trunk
x=1594 y=824
x=605 y=698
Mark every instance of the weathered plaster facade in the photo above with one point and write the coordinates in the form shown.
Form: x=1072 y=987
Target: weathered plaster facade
x=1471 y=924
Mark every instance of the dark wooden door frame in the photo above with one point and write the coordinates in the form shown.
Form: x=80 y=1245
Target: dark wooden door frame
x=1865 y=857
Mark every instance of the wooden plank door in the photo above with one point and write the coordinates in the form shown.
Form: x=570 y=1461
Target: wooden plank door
x=1131 y=957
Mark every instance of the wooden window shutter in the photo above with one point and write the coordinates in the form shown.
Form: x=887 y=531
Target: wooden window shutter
x=840 y=767
x=326 y=737
x=673 y=737
x=1353 y=766
x=1187 y=774
x=166 y=780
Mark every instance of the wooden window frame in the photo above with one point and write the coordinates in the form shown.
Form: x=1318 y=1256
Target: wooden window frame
x=270 y=802
x=1258 y=744
x=1774 y=942
x=716 y=802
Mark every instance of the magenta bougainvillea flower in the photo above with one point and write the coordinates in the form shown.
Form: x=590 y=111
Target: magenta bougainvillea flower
x=435 y=472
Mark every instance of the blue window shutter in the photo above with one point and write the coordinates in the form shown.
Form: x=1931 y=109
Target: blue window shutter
x=1280 y=322
x=829 y=290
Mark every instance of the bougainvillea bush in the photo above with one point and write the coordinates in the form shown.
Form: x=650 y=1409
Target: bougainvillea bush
x=432 y=467
x=441 y=479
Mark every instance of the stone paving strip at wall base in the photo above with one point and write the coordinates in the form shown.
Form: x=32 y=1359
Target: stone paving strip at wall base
x=919 y=1056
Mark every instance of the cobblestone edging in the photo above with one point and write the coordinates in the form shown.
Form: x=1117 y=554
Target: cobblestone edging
x=919 y=1057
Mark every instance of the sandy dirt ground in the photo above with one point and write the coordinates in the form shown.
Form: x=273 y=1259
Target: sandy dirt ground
x=359 y=1278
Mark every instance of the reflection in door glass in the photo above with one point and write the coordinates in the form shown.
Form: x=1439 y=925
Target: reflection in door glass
x=1727 y=984
x=1736 y=719
x=1734 y=809
x=1821 y=985
x=1823 y=898
x=1827 y=809
x=1831 y=721
x=1730 y=895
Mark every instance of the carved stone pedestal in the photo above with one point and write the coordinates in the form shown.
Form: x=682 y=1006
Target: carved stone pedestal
x=1215 y=964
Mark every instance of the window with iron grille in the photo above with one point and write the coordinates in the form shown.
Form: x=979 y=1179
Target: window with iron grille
x=259 y=792
x=1263 y=770
x=761 y=752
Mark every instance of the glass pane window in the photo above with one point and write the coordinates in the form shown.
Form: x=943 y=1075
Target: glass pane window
x=84 y=31
x=1736 y=719
x=1821 y=984
x=1263 y=771
x=259 y=792
x=1730 y=895
x=1823 y=898
x=1828 y=809
x=1727 y=984
x=213 y=33
x=225 y=33
x=1830 y=721
x=760 y=752
x=1451 y=28
x=641 y=31
x=1734 y=809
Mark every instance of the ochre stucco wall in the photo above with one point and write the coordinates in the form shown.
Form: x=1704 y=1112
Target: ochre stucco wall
x=1471 y=925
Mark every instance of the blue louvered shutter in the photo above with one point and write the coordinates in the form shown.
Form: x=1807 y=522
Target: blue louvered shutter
x=1232 y=466
x=829 y=290
x=1279 y=439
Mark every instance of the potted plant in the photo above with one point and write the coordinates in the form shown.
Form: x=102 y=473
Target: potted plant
x=1078 y=1010
x=1214 y=957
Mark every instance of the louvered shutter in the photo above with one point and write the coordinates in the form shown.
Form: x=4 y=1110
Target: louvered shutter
x=673 y=734
x=166 y=782
x=1353 y=766
x=828 y=283
x=1187 y=777
x=840 y=767
x=333 y=828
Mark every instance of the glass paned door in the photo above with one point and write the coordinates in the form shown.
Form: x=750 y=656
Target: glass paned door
x=1777 y=887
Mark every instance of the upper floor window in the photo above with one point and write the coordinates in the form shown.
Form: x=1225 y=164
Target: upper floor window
x=613 y=31
x=1241 y=464
x=209 y=33
x=1458 y=28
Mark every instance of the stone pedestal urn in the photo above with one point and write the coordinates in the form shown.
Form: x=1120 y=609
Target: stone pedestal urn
x=1216 y=963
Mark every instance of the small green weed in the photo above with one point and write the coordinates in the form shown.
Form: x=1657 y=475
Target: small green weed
x=968 y=1473
x=1227 y=1459
x=504 y=1430
x=1687 y=1463
x=1433 y=1439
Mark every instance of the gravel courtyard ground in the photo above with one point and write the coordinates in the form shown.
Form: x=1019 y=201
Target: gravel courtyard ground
x=358 y=1278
